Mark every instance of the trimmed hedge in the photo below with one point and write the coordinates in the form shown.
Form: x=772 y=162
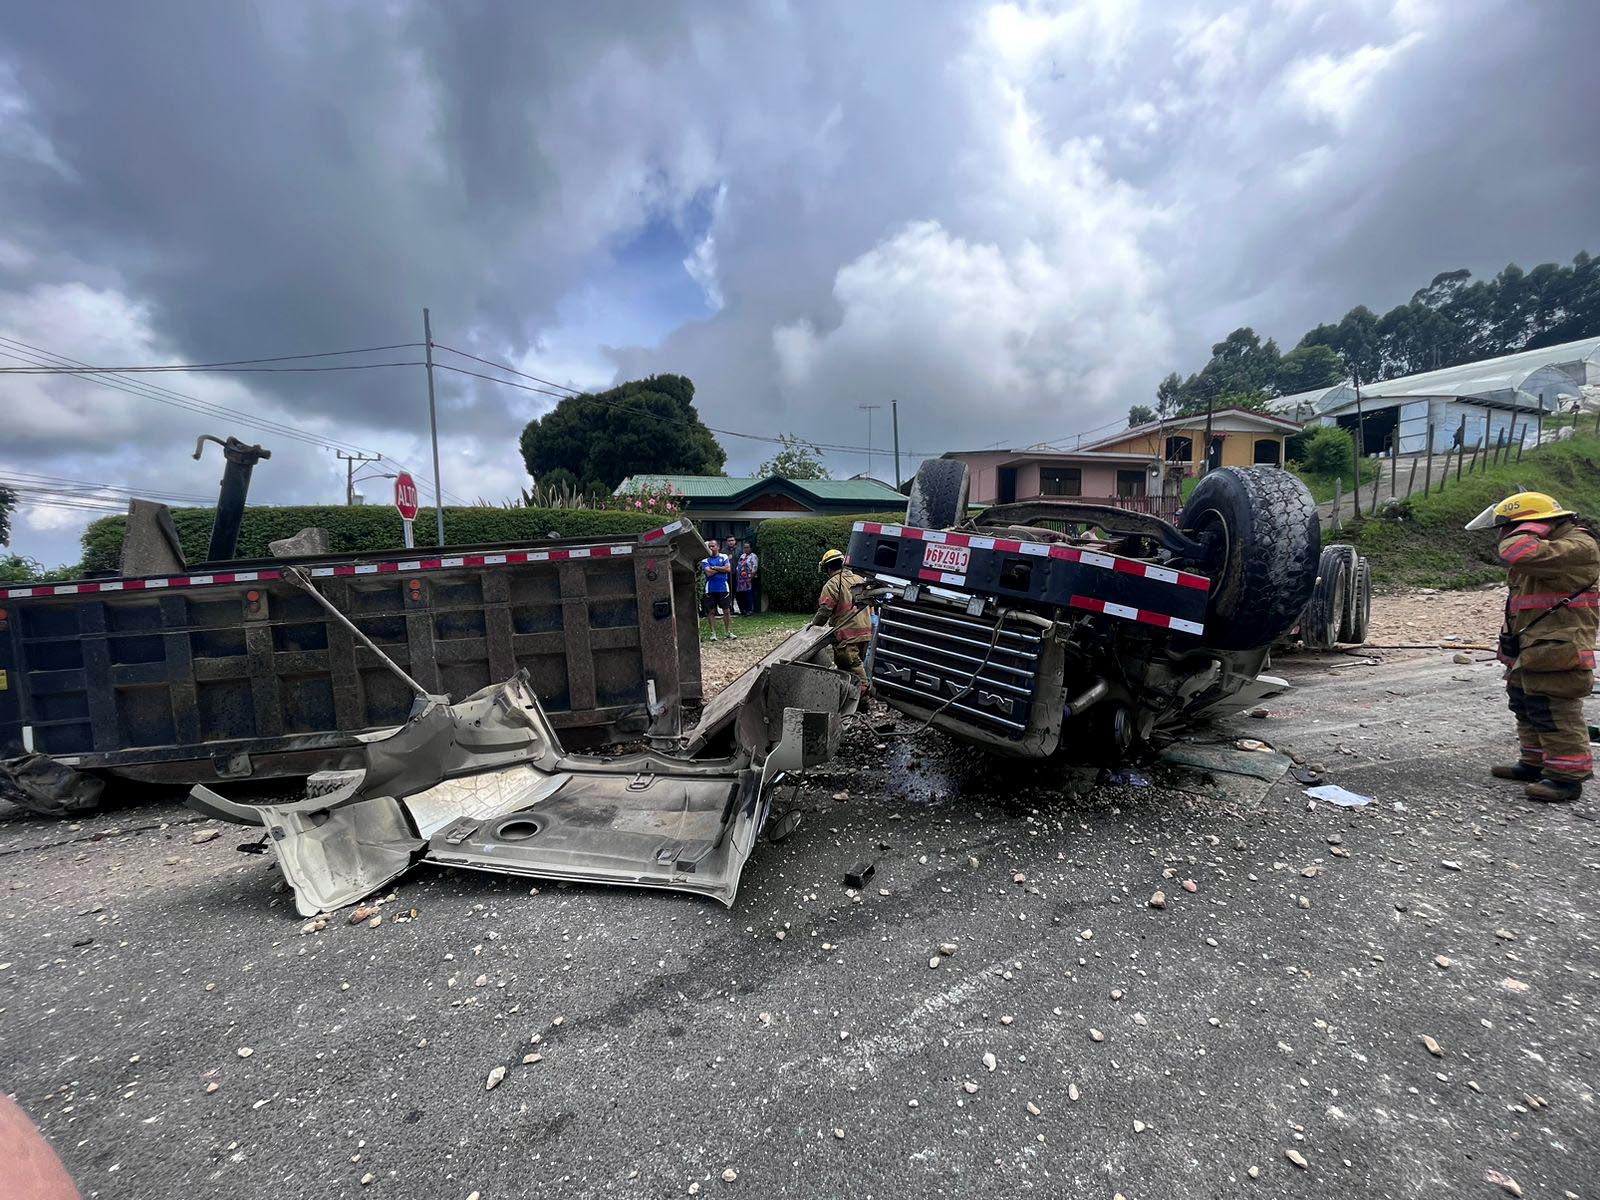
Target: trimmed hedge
x=789 y=548
x=362 y=528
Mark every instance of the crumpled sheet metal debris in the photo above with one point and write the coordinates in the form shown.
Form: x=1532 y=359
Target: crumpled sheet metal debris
x=485 y=784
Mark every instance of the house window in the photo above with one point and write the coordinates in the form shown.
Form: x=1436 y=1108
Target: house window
x=1180 y=449
x=1060 y=481
x=1267 y=452
x=1130 y=483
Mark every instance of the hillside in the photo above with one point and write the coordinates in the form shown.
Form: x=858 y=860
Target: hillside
x=1429 y=548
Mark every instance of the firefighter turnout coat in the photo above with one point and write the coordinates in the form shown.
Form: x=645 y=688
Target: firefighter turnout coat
x=1553 y=604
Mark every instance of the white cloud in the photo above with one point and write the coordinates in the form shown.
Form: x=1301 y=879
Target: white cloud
x=1333 y=87
x=702 y=261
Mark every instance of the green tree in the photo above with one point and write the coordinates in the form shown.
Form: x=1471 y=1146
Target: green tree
x=1454 y=319
x=1326 y=450
x=8 y=502
x=1242 y=373
x=14 y=568
x=1140 y=414
x=1169 y=395
x=1306 y=368
x=646 y=426
x=798 y=459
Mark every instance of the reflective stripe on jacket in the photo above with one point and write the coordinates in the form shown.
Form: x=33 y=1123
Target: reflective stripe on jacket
x=1545 y=565
x=850 y=622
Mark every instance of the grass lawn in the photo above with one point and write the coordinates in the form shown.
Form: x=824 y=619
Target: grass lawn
x=766 y=622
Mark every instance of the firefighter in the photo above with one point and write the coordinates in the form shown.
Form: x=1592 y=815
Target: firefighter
x=1547 y=642
x=837 y=609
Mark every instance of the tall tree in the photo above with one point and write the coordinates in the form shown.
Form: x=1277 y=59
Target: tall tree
x=1306 y=368
x=646 y=426
x=1140 y=414
x=1242 y=373
x=1454 y=319
x=798 y=459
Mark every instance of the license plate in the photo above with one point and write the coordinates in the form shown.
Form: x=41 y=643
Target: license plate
x=941 y=556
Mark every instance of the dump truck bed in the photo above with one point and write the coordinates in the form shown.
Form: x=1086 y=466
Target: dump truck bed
x=233 y=672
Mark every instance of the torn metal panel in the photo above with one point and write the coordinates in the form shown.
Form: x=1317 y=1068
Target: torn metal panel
x=717 y=717
x=485 y=784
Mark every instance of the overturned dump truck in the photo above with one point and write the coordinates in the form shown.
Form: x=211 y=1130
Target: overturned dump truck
x=486 y=785
x=230 y=673
x=1056 y=627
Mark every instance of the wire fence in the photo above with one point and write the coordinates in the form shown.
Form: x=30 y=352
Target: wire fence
x=1434 y=470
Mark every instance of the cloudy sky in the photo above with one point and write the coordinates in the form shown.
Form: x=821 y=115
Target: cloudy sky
x=1012 y=218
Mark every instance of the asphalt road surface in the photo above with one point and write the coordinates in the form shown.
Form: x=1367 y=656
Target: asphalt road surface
x=800 y=1044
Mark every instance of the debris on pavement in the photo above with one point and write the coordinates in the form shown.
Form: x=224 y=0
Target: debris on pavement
x=1332 y=793
x=485 y=784
x=857 y=876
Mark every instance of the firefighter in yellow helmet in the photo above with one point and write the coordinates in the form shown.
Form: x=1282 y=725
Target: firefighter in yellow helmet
x=1547 y=641
x=838 y=609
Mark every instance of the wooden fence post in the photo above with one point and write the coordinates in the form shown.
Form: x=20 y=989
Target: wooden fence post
x=1427 y=477
x=1461 y=445
x=1411 y=483
x=1394 y=465
x=1377 y=482
x=1522 y=439
x=1338 y=489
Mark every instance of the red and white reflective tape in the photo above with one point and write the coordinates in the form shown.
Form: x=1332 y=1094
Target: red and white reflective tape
x=1143 y=615
x=655 y=535
x=1093 y=558
x=407 y=566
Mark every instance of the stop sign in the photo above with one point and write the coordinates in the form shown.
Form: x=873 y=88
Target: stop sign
x=405 y=496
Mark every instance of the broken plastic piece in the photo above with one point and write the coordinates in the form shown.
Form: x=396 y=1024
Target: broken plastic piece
x=1332 y=793
x=857 y=876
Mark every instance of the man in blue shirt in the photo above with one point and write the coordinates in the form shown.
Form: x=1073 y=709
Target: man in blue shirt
x=719 y=592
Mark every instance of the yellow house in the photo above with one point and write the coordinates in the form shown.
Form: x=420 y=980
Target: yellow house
x=1240 y=437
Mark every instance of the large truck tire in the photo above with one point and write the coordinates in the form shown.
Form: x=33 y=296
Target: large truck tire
x=1264 y=524
x=1361 y=609
x=1347 y=617
x=1324 y=616
x=938 y=494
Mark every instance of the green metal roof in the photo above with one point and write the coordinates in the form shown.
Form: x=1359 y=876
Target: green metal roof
x=723 y=487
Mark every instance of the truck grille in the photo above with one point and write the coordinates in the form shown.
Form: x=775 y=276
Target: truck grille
x=926 y=655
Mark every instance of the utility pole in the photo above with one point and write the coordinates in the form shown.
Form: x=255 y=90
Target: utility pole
x=894 y=416
x=350 y=461
x=1206 y=461
x=433 y=428
x=869 y=409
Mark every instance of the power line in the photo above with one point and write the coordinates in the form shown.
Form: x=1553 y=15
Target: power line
x=489 y=362
x=14 y=478
x=162 y=394
x=574 y=393
x=621 y=401
x=438 y=366
x=201 y=369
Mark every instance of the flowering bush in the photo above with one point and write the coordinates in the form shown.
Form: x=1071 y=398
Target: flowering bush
x=662 y=500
